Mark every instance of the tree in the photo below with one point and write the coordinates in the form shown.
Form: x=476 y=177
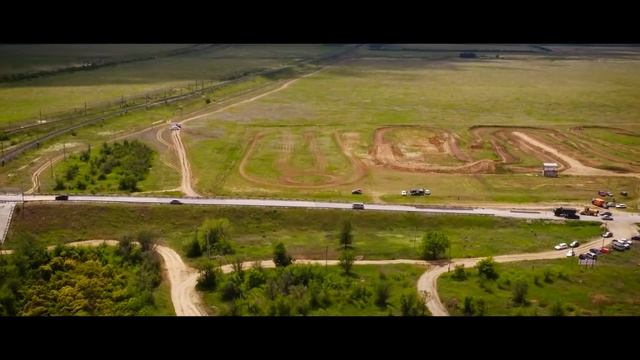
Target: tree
x=520 y=289
x=280 y=256
x=216 y=234
x=481 y=307
x=487 y=269
x=194 y=249
x=382 y=293
x=209 y=277
x=128 y=183
x=557 y=309
x=412 y=305
x=434 y=245
x=459 y=274
x=346 y=238
x=146 y=240
x=346 y=261
x=469 y=308
x=59 y=184
x=125 y=246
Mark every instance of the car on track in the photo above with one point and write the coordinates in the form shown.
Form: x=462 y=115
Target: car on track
x=357 y=206
x=561 y=246
x=607 y=218
x=175 y=202
x=606 y=213
x=62 y=197
x=574 y=244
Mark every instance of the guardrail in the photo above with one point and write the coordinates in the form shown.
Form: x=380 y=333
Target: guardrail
x=6 y=229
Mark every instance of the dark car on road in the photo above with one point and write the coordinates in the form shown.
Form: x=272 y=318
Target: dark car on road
x=62 y=197
x=358 y=206
x=606 y=213
x=175 y=202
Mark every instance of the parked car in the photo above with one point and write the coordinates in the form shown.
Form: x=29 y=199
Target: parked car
x=427 y=192
x=175 y=202
x=618 y=246
x=609 y=193
x=62 y=197
x=636 y=237
x=602 y=193
x=561 y=246
x=627 y=243
x=624 y=193
x=604 y=250
x=621 y=206
x=356 y=191
x=607 y=218
x=571 y=253
x=358 y=206
x=574 y=244
x=607 y=234
x=606 y=213
x=591 y=256
x=622 y=243
x=582 y=256
x=594 y=251
x=403 y=193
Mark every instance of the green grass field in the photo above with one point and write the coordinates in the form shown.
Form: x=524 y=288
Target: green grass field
x=610 y=288
x=363 y=94
x=307 y=233
x=24 y=99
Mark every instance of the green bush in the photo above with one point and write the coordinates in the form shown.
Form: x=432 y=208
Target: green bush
x=459 y=274
x=487 y=269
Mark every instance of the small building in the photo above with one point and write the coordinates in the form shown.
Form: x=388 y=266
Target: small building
x=550 y=169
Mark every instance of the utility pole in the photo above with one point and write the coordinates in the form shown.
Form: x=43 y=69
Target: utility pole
x=326 y=257
x=64 y=151
x=85 y=108
x=51 y=166
x=22 y=191
x=449 y=267
x=40 y=114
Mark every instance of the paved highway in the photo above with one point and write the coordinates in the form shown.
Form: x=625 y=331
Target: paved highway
x=511 y=213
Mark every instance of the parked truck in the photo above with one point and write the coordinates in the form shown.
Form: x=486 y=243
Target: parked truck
x=599 y=202
x=569 y=213
x=589 y=212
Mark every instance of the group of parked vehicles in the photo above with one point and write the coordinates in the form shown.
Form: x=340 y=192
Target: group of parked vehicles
x=619 y=245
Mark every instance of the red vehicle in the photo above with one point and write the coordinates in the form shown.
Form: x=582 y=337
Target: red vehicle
x=605 y=250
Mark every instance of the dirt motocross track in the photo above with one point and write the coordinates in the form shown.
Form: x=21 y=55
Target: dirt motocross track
x=510 y=144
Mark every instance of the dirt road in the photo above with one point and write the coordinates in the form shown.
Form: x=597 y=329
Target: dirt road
x=575 y=166
x=35 y=178
x=427 y=284
x=185 y=185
